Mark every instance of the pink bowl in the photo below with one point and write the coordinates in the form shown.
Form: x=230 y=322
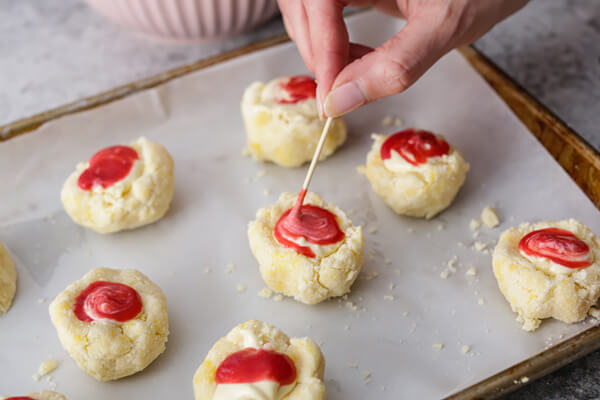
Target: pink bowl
x=187 y=20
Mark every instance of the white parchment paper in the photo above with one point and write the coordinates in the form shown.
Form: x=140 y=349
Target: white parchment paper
x=218 y=191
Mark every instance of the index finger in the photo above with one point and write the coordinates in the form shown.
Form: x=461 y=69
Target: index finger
x=329 y=39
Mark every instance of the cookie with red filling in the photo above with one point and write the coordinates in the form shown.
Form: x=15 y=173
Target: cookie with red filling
x=283 y=124
x=258 y=361
x=548 y=270
x=120 y=187
x=415 y=172
x=113 y=323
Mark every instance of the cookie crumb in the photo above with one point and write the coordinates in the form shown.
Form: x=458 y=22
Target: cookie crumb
x=207 y=271
x=594 y=312
x=229 y=268
x=438 y=346
x=265 y=293
x=388 y=297
x=489 y=217
x=266 y=192
x=524 y=379
x=481 y=301
x=479 y=246
x=441 y=227
x=45 y=368
x=241 y=288
x=278 y=297
x=398 y=122
x=362 y=170
x=373 y=230
x=474 y=224
x=444 y=274
x=387 y=120
x=471 y=271
x=452 y=264
x=388 y=261
x=352 y=365
x=465 y=349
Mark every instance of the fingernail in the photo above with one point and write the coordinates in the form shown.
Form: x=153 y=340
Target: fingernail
x=344 y=99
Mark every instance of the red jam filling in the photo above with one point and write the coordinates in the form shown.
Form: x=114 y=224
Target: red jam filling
x=107 y=167
x=20 y=398
x=255 y=365
x=107 y=300
x=558 y=245
x=315 y=224
x=298 y=88
x=416 y=147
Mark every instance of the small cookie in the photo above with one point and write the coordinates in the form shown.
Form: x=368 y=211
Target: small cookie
x=258 y=361
x=548 y=269
x=415 y=172
x=301 y=264
x=114 y=323
x=43 y=395
x=282 y=121
x=8 y=280
x=120 y=187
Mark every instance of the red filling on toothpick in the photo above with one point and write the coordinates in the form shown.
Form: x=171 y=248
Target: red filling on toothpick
x=416 y=147
x=20 y=398
x=107 y=167
x=298 y=88
x=315 y=224
x=255 y=365
x=107 y=300
x=558 y=245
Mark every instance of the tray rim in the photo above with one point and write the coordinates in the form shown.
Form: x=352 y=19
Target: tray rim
x=571 y=151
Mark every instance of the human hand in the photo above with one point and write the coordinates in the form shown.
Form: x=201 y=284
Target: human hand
x=350 y=75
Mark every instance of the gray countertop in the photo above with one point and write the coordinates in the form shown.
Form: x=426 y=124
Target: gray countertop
x=57 y=52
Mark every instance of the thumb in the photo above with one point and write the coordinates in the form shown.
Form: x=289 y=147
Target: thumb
x=388 y=70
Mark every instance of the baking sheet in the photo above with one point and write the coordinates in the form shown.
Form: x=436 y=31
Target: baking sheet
x=218 y=191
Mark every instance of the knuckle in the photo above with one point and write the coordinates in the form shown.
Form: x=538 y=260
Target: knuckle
x=395 y=76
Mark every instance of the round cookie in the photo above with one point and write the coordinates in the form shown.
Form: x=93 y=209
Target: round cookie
x=548 y=269
x=8 y=280
x=43 y=395
x=114 y=323
x=120 y=187
x=291 y=269
x=416 y=173
x=282 y=121
x=290 y=368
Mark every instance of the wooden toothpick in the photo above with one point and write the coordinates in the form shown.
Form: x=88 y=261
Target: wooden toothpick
x=313 y=164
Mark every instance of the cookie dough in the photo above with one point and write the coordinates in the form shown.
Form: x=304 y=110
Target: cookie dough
x=8 y=280
x=329 y=273
x=415 y=180
x=282 y=121
x=43 y=395
x=292 y=368
x=113 y=322
x=552 y=273
x=120 y=187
